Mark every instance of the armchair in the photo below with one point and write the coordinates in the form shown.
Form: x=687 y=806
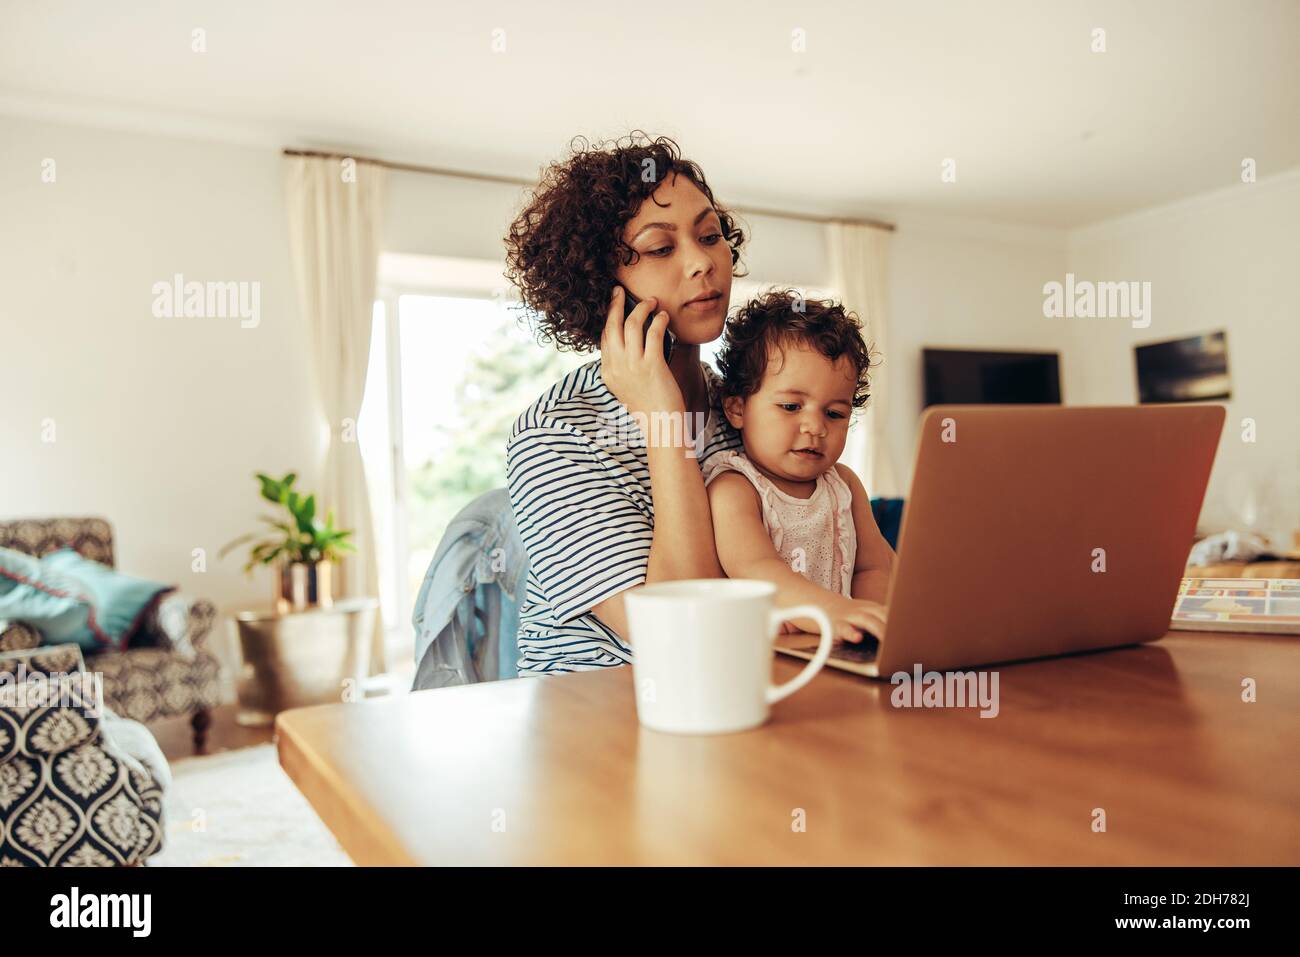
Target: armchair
x=167 y=671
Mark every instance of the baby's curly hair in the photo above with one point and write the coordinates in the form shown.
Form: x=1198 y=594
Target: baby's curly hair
x=563 y=250
x=781 y=317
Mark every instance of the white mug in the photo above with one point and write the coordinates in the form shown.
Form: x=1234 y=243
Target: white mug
x=702 y=653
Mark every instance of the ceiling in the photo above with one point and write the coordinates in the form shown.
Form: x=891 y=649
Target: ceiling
x=1043 y=131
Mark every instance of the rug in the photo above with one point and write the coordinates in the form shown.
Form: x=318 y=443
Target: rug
x=239 y=809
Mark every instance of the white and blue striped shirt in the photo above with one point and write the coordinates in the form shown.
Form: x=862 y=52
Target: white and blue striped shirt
x=579 y=483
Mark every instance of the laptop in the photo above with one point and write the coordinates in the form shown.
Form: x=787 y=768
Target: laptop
x=1036 y=531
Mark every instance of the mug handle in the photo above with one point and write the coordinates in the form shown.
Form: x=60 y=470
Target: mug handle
x=776 y=692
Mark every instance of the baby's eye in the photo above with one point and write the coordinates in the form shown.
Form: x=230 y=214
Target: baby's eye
x=836 y=415
x=790 y=406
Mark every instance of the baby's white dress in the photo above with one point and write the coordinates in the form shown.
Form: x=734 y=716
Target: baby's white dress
x=815 y=536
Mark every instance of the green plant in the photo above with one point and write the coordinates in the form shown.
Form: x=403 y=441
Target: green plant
x=301 y=538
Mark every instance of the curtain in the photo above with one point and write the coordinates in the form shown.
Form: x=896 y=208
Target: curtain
x=859 y=258
x=335 y=212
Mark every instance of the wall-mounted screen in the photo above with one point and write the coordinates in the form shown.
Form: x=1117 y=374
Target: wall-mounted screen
x=1184 y=370
x=959 y=376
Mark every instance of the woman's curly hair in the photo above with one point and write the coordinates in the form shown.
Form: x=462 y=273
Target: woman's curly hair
x=563 y=250
x=782 y=317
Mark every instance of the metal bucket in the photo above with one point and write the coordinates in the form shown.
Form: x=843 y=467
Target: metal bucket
x=314 y=657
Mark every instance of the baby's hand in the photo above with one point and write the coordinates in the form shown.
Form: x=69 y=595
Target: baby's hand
x=858 y=617
x=850 y=619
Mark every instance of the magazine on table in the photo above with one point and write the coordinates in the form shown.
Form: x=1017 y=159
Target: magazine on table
x=1255 y=605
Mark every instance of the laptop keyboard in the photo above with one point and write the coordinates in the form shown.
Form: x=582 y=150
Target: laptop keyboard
x=861 y=652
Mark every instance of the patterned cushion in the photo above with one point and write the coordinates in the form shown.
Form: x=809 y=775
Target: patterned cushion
x=52 y=685
x=120 y=603
x=58 y=605
x=82 y=808
x=44 y=731
x=64 y=798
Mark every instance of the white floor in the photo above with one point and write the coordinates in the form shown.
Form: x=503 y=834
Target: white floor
x=239 y=809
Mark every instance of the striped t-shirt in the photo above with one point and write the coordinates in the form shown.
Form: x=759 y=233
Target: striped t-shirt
x=579 y=481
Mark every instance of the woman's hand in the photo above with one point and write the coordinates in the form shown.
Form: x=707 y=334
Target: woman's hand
x=632 y=360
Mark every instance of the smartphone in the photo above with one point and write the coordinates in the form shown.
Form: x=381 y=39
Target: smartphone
x=630 y=302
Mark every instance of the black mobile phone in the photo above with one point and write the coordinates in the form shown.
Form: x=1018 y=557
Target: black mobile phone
x=630 y=302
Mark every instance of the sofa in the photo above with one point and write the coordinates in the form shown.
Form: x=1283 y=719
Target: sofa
x=70 y=793
x=166 y=671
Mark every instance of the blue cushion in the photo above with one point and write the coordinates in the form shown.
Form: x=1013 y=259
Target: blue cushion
x=45 y=598
x=119 y=601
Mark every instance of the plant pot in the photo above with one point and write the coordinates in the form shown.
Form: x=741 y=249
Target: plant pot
x=301 y=586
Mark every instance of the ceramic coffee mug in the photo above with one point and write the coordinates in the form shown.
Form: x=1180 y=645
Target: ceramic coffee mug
x=702 y=653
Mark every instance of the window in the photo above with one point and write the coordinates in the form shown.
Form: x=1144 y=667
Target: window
x=453 y=361
x=451 y=368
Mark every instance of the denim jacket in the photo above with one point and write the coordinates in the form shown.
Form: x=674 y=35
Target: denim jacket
x=466 y=615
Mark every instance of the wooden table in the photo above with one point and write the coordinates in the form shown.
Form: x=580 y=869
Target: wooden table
x=558 y=771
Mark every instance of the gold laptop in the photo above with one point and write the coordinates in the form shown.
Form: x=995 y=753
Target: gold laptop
x=1034 y=531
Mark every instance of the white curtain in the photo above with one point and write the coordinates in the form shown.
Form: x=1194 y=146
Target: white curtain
x=335 y=214
x=859 y=257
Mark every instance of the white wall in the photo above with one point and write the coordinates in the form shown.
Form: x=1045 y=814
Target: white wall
x=447 y=216
x=1225 y=260
x=159 y=423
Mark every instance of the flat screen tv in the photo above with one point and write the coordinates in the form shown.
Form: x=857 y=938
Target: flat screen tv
x=1184 y=370
x=959 y=376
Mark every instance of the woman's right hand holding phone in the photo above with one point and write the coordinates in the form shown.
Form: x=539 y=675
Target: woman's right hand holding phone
x=632 y=360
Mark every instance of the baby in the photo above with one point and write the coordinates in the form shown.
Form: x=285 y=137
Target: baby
x=784 y=509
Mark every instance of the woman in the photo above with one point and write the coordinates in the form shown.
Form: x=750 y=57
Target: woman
x=600 y=512
x=603 y=506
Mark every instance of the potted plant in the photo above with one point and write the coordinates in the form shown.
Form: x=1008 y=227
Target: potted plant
x=302 y=547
